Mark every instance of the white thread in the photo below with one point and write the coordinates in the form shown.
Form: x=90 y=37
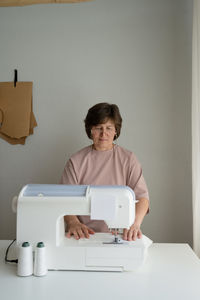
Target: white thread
x=40 y=267
x=25 y=260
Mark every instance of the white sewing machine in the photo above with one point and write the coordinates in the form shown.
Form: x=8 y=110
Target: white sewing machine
x=40 y=211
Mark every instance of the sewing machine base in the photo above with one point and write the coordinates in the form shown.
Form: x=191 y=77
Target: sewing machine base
x=93 y=255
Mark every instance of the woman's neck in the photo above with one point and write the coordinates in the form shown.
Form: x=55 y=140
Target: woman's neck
x=95 y=147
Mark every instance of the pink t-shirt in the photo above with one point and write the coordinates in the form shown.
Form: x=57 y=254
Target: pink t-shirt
x=117 y=166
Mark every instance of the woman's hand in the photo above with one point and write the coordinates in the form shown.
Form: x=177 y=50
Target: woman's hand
x=133 y=233
x=79 y=230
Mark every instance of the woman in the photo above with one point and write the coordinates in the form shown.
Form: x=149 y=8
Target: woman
x=104 y=163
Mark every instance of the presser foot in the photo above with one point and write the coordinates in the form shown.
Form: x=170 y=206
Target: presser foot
x=116 y=241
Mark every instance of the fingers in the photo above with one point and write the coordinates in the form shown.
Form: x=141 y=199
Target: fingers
x=68 y=234
x=74 y=233
x=91 y=231
x=79 y=231
x=76 y=236
x=132 y=234
x=139 y=234
x=125 y=234
x=87 y=231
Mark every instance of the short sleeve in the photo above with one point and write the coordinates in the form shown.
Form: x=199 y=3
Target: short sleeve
x=136 y=180
x=69 y=174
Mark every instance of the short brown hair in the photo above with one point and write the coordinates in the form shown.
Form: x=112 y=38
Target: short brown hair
x=100 y=113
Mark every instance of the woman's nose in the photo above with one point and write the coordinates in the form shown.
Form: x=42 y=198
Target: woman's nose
x=103 y=131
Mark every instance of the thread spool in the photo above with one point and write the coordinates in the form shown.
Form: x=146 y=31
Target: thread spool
x=40 y=267
x=25 y=260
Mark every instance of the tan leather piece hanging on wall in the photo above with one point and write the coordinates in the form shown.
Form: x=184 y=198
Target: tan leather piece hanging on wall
x=31 y=2
x=17 y=120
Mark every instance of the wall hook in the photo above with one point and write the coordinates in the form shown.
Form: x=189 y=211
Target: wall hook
x=15 y=77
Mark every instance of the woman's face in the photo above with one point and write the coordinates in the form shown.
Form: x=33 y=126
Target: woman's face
x=103 y=135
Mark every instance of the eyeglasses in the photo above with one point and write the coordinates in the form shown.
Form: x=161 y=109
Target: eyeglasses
x=100 y=129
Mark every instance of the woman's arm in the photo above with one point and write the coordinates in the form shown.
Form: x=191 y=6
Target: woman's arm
x=74 y=226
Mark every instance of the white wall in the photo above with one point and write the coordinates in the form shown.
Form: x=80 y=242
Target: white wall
x=136 y=54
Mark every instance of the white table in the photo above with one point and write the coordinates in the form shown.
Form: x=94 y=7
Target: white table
x=172 y=271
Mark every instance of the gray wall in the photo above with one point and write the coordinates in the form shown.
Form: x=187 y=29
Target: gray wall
x=136 y=54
